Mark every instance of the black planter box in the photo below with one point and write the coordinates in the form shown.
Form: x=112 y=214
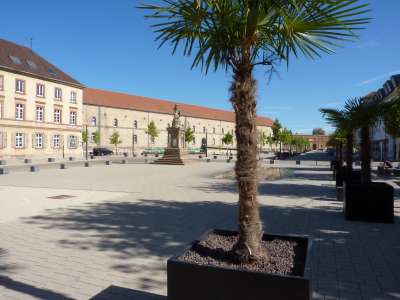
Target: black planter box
x=369 y=202
x=207 y=282
x=342 y=175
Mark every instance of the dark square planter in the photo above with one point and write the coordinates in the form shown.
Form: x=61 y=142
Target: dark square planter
x=369 y=202
x=342 y=175
x=207 y=282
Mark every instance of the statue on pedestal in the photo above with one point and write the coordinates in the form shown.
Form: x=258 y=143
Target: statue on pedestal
x=177 y=114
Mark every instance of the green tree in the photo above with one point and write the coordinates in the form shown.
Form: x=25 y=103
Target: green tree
x=115 y=140
x=85 y=137
x=276 y=133
x=189 y=135
x=227 y=139
x=318 y=131
x=238 y=36
x=97 y=137
x=152 y=131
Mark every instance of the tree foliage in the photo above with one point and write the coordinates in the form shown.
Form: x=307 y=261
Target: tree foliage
x=189 y=135
x=318 y=131
x=115 y=140
x=227 y=139
x=152 y=131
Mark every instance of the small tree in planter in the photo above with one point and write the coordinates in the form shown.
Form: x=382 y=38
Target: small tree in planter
x=152 y=132
x=96 y=139
x=115 y=140
x=240 y=36
x=368 y=201
x=189 y=135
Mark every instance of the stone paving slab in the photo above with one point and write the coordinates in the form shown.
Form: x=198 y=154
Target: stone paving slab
x=114 y=243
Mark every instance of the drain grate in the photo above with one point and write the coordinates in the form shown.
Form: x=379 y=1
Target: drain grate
x=61 y=197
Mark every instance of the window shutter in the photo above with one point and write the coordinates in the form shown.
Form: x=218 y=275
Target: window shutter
x=4 y=139
x=33 y=140
x=25 y=137
x=44 y=141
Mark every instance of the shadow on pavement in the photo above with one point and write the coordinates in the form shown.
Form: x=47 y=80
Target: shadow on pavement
x=120 y=293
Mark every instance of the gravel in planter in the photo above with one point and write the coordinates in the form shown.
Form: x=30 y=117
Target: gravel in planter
x=215 y=250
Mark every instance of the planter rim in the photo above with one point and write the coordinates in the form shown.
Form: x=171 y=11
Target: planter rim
x=307 y=263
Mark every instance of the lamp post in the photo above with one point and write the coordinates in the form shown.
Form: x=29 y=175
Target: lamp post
x=86 y=141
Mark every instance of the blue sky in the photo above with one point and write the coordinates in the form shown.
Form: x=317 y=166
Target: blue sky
x=109 y=45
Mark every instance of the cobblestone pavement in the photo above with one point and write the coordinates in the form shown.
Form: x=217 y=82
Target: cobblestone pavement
x=112 y=239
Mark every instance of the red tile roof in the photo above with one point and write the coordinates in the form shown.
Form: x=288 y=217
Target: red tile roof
x=30 y=63
x=120 y=100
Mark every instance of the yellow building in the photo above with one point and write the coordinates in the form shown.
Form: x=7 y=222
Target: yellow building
x=40 y=106
x=107 y=112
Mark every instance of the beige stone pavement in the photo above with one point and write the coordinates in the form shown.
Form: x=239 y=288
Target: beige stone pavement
x=111 y=240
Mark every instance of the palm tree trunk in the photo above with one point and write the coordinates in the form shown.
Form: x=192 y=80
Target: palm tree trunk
x=349 y=152
x=365 y=156
x=243 y=98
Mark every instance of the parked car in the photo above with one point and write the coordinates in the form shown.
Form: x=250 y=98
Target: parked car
x=102 y=151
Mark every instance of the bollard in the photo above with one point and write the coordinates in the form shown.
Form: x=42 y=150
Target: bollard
x=297 y=162
x=123 y=161
x=200 y=156
x=91 y=156
x=271 y=161
x=70 y=158
x=86 y=164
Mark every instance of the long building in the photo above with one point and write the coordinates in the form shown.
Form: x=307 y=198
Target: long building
x=107 y=112
x=43 y=112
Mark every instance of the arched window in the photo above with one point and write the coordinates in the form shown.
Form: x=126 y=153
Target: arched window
x=194 y=128
x=135 y=124
x=213 y=141
x=204 y=130
x=222 y=131
x=214 y=130
x=93 y=121
x=115 y=123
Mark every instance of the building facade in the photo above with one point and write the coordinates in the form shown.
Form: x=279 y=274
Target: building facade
x=107 y=112
x=40 y=106
x=44 y=111
x=317 y=142
x=383 y=145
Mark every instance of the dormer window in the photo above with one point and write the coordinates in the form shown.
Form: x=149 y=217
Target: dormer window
x=15 y=60
x=31 y=64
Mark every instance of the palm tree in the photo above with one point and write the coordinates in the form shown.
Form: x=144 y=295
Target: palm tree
x=365 y=113
x=336 y=140
x=238 y=36
x=343 y=121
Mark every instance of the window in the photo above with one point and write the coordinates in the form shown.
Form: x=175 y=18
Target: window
x=72 y=117
x=93 y=137
x=204 y=130
x=73 y=97
x=31 y=64
x=39 y=113
x=58 y=93
x=222 y=131
x=135 y=139
x=38 y=141
x=194 y=141
x=214 y=130
x=20 y=86
x=15 y=60
x=115 y=123
x=213 y=141
x=1 y=83
x=57 y=116
x=56 y=141
x=72 y=141
x=3 y=140
x=19 y=140
x=40 y=90
x=194 y=128
x=93 y=121
x=1 y=109
x=135 y=124
x=19 y=111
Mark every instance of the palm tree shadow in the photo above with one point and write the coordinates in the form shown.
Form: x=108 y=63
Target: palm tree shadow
x=120 y=293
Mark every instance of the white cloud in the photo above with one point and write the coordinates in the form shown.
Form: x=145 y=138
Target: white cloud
x=374 y=79
x=368 y=44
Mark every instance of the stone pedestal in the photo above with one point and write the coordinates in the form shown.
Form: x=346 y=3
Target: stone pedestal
x=172 y=154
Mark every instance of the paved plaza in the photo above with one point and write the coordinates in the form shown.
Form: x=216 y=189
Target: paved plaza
x=105 y=232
